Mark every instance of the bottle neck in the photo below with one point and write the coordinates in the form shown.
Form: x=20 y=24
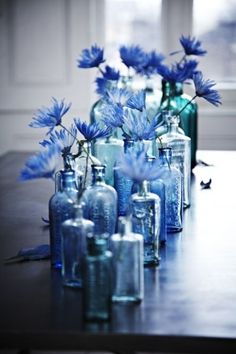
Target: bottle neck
x=173 y=128
x=143 y=188
x=98 y=174
x=96 y=246
x=68 y=180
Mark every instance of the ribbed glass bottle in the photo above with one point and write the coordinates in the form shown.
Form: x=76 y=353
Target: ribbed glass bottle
x=107 y=151
x=173 y=180
x=61 y=208
x=127 y=274
x=74 y=234
x=100 y=203
x=181 y=153
x=97 y=280
x=145 y=210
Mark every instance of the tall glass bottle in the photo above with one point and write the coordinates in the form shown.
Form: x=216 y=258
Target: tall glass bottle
x=145 y=211
x=122 y=184
x=173 y=180
x=107 y=151
x=97 y=280
x=74 y=233
x=174 y=99
x=100 y=203
x=60 y=209
x=181 y=153
x=127 y=250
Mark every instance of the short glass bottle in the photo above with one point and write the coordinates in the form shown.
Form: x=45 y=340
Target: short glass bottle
x=145 y=211
x=122 y=184
x=74 y=234
x=181 y=153
x=127 y=270
x=100 y=203
x=173 y=180
x=97 y=280
x=61 y=208
x=107 y=151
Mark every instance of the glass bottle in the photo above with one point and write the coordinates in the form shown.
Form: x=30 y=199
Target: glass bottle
x=181 y=153
x=173 y=180
x=83 y=163
x=100 y=203
x=153 y=99
x=60 y=209
x=127 y=270
x=122 y=184
x=97 y=280
x=174 y=99
x=74 y=233
x=107 y=151
x=145 y=211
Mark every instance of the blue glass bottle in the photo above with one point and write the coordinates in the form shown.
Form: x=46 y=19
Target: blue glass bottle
x=181 y=153
x=74 y=234
x=145 y=210
x=107 y=151
x=122 y=184
x=173 y=180
x=60 y=209
x=127 y=270
x=100 y=203
x=97 y=280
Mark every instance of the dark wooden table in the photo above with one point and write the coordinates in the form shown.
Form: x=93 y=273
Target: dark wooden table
x=190 y=299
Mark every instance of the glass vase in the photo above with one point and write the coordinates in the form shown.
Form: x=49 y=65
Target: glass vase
x=181 y=153
x=100 y=203
x=74 y=234
x=145 y=211
x=97 y=280
x=127 y=270
x=61 y=208
x=173 y=180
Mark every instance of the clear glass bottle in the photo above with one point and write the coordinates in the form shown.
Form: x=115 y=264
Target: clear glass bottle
x=174 y=99
x=100 y=203
x=122 y=184
x=107 y=151
x=127 y=270
x=97 y=280
x=173 y=180
x=181 y=153
x=83 y=163
x=61 y=208
x=74 y=233
x=145 y=210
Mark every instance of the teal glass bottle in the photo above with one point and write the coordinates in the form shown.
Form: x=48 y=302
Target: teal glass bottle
x=60 y=209
x=107 y=151
x=100 y=203
x=122 y=184
x=74 y=234
x=127 y=269
x=145 y=210
x=97 y=280
x=174 y=99
x=173 y=180
x=181 y=153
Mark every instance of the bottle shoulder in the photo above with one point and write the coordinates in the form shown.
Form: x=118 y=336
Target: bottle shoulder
x=130 y=237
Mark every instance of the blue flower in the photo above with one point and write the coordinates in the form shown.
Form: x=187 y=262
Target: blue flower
x=42 y=165
x=137 y=101
x=50 y=117
x=91 y=58
x=135 y=166
x=111 y=74
x=178 y=72
x=102 y=85
x=151 y=64
x=63 y=139
x=132 y=56
x=112 y=115
x=191 y=46
x=203 y=88
x=118 y=96
x=137 y=126
x=91 y=131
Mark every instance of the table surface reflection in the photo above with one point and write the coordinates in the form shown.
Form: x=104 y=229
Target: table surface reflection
x=190 y=299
